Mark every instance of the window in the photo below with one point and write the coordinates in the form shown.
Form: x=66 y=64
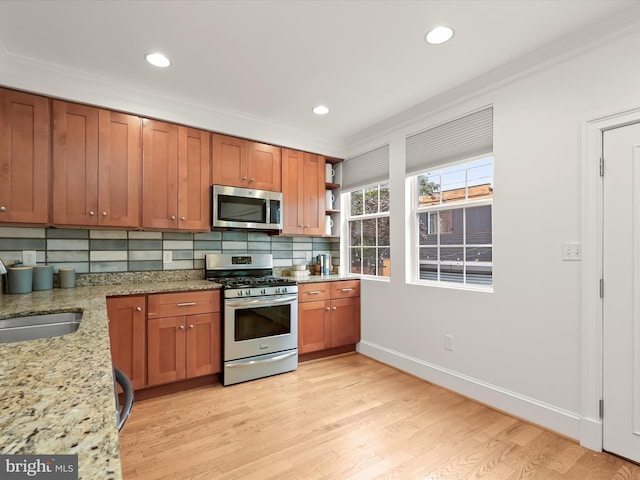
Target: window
x=369 y=234
x=453 y=210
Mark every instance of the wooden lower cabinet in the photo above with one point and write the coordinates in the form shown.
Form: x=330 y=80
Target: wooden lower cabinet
x=328 y=315
x=180 y=347
x=127 y=332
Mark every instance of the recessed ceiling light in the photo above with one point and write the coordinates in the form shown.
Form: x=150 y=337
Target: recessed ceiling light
x=158 y=60
x=320 y=110
x=439 y=35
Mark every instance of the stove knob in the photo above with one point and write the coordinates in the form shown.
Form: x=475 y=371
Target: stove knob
x=239 y=293
x=277 y=289
x=247 y=292
x=284 y=289
x=263 y=291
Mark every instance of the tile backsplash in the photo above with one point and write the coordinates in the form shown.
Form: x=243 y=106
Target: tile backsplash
x=103 y=251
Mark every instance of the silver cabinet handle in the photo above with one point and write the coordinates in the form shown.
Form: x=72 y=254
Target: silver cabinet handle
x=301 y=226
x=190 y=326
x=3 y=209
x=306 y=226
x=347 y=289
x=173 y=217
x=334 y=308
x=139 y=309
x=252 y=180
x=92 y=213
x=244 y=178
x=104 y=214
x=187 y=304
x=315 y=292
x=184 y=219
x=181 y=327
x=328 y=309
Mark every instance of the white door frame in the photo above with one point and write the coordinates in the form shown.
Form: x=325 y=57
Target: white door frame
x=592 y=254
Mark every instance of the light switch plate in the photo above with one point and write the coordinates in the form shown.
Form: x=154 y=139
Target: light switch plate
x=571 y=251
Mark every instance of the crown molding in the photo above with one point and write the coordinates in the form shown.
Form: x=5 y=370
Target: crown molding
x=52 y=80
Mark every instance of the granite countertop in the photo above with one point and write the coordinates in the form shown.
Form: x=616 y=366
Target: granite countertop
x=324 y=278
x=56 y=394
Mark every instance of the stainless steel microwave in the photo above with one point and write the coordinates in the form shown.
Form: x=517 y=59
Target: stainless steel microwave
x=235 y=207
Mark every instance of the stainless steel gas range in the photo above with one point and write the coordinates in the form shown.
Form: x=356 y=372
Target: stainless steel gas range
x=260 y=316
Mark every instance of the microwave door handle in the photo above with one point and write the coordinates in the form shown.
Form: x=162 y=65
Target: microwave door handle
x=261 y=301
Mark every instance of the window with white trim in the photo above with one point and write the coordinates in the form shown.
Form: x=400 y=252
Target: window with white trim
x=369 y=234
x=453 y=223
x=365 y=187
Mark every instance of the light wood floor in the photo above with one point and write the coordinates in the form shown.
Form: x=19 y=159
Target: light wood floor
x=347 y=417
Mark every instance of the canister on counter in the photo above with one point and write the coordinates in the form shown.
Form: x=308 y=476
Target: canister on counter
x=20 y=279
x=42 y=277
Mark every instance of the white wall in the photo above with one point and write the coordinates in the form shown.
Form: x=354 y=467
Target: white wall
x=517 y=348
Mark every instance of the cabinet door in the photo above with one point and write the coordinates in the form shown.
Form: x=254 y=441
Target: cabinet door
x=166 y=350
x=159 y=174
x=292 y=220
x=194 y=208
x=203 y=344
x=75 y=164
x=127 y=331
x=24 y=158
x=345 y=321
x=119 y=169
x=313 y=326
x=313 y=198
x=229 y=161
x=264 y=167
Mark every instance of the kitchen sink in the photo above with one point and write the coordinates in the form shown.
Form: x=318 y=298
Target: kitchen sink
x=18 y=329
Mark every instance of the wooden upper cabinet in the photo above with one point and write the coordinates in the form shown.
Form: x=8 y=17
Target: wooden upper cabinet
x=24 y=158
x=242 y=163
x=175 y=177
x=159 y=174
x=119 y=169
x=96 y=167
x=264 y=167
x=303 y=192
x=194 y=207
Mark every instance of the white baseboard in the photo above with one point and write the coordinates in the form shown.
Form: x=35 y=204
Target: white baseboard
x=559 y=420
x=591 y=434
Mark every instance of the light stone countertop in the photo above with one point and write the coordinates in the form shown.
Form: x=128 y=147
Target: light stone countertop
x=56 y=394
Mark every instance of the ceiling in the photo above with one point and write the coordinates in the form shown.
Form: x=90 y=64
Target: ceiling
x=269 y=62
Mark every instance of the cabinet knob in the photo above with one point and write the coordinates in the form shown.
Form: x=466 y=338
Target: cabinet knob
x=181 y=327
x=104 y=214
x=184 y=219
x=243 y=178
x=334 y=308
x=306 y=226
x=301 y=226
x=252 y=180
x=190 y=326
x=328 y=309
x=3 y=209
x=139 y=309
x=173 y=217
x=92 y=213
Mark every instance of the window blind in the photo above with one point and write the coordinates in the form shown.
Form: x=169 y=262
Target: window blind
x=465 y=137
x=366 y=169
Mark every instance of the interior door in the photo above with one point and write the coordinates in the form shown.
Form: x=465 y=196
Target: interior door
x=621 y=300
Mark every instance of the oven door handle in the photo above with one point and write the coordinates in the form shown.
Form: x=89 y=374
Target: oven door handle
x=244 y=363
x=266 y=301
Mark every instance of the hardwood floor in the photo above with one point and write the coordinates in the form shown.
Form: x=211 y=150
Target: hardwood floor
x=346 y=417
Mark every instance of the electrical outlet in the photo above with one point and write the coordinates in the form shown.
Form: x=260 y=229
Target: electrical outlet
x=448 y=342
x=167 y=256
x=571 y=251
x=28 y=257
x=308 y=256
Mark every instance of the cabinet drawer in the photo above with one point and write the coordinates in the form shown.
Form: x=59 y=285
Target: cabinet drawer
x=182 y=303
x=345 y=289
x=310 y=292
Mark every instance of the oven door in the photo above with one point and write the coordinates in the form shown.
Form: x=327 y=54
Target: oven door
x=260 y=325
